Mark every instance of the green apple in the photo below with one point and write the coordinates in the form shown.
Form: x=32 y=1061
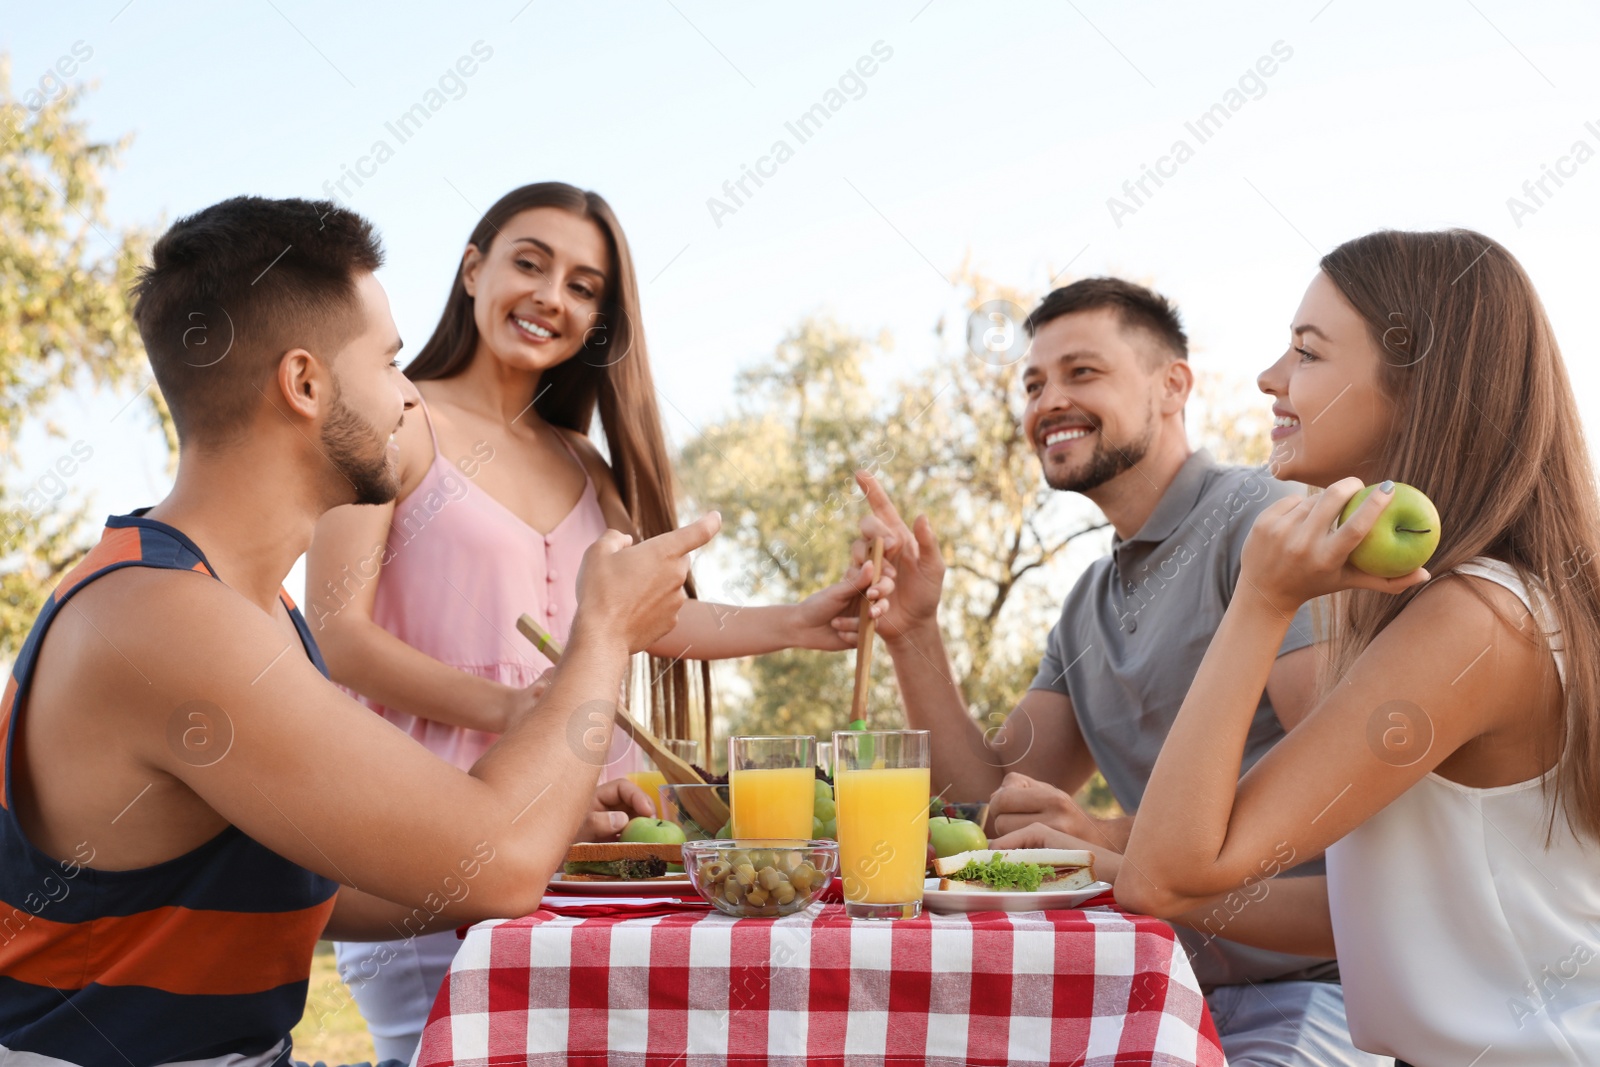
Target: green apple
x=951 y=836
x=1405 y=535
x=656 y=831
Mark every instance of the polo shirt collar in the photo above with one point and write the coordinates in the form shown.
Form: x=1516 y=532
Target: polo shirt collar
x=1178 y=502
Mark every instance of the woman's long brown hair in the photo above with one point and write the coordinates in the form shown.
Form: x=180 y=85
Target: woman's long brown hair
x=610 y=372
x=1487 y=426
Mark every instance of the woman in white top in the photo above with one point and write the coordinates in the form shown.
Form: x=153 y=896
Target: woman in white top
x=1451 y=769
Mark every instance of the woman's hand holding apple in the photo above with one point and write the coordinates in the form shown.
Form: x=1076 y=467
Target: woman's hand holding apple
x=1298 y=550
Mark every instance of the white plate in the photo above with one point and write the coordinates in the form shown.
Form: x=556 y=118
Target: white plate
x=638 y=887
x=951 y=901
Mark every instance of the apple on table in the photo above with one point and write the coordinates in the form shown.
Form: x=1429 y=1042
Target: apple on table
x=949 y=837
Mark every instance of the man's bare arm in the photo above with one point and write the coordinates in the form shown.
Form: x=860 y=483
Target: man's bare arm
x=305 y=770
x=1039 y=737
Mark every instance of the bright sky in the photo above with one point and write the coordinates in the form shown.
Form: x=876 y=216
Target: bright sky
x=999 y=130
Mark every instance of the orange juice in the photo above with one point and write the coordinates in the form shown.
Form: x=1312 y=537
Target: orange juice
x=883 y=833
x=650 y=782
x=773 y=802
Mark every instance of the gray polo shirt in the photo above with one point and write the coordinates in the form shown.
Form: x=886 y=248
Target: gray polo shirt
x=1129 y=643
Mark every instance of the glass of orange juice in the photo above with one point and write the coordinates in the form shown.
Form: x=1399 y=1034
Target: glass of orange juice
x=652 y=780
x=881 y=781
x=773 y=782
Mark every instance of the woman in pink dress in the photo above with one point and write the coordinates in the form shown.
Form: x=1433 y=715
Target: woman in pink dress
x=415 y=603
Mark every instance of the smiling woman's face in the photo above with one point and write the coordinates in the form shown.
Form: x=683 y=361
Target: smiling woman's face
x=540 y=289
x=1332 y=417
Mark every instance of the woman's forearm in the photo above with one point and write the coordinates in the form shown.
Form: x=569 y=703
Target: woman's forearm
x=707 y=630
x=381 y=667
x=1280 y=914
x=1180 y=844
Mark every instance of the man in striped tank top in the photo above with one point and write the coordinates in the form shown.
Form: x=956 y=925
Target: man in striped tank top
x=187 y=801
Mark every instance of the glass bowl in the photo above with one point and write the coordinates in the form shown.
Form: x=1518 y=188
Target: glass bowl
x=673 y=810
x=760 y=879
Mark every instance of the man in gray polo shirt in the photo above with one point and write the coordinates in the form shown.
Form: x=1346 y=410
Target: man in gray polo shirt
x=1107 y=378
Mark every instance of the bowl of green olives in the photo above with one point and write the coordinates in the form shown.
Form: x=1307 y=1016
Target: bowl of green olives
x=760 y=879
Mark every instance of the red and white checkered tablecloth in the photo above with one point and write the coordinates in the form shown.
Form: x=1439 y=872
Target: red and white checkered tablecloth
x=1089 y=987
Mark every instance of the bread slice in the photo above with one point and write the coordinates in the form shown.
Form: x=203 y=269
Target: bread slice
x=620 y=861
x=605 y=851
x=1072 y=869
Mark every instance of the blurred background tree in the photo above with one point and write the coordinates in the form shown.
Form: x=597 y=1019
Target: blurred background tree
x=64 y=324
x=1232 y=419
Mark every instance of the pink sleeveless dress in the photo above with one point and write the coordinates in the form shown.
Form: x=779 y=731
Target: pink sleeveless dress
x=461 y=569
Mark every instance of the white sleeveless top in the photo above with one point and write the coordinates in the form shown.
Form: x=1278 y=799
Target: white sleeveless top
x=1464 y=940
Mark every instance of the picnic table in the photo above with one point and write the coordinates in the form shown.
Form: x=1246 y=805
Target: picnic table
x=633 y=983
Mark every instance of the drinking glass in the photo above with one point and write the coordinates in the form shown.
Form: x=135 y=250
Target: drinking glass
x=825 y=757
x=881 y=782
x=652 y=779
x=773 y=784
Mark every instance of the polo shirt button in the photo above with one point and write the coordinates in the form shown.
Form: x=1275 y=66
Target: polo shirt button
x=549 y=609
x=1133 y=624
x=550 y=575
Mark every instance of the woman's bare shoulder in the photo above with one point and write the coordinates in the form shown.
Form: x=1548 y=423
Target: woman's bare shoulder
x=605 y=483
x=1479 y=619
x=585 y=448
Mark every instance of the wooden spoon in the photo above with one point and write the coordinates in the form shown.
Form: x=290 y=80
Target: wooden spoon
x=703 y=805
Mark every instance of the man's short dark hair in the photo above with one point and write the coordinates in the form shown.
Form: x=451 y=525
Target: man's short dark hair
x=1137 y=308
x=231 y=288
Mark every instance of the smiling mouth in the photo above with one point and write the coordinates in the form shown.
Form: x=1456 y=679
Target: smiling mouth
x=533 y=329
x=1064 y=435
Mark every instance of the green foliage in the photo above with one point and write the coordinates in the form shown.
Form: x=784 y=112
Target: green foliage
x=948 y=443
x=1234 y=422
x=64 y=322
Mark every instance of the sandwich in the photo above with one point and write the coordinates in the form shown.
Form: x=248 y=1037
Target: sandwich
x=620 y=861
x=1016 y=870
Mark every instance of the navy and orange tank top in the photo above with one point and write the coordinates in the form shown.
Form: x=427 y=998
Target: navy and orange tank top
x=198 y=958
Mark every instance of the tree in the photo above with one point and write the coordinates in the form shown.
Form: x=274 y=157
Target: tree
x=950 y=444
x=64 y=322
x=1234 y=422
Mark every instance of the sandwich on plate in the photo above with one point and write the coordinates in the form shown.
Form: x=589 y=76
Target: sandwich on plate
x=621 y=861
x=1016 y=870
